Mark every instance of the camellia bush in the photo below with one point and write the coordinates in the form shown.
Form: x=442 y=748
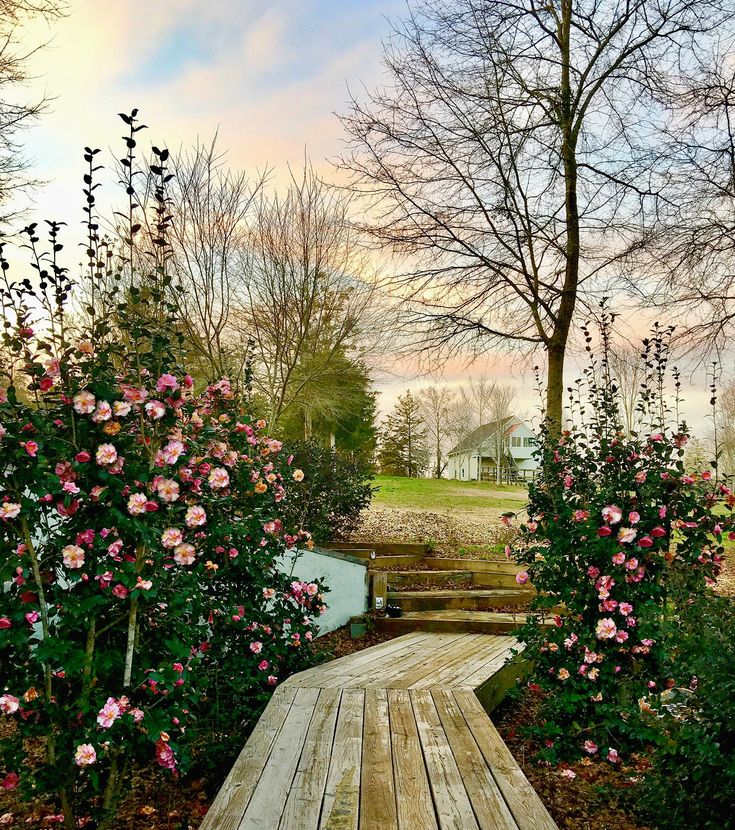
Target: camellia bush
x=620 y=538
x=140 y=530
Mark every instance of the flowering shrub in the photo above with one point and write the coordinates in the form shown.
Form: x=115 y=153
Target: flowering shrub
x=140 y=536
x=619 y=532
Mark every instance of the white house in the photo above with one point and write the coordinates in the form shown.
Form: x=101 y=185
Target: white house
x=474 y=458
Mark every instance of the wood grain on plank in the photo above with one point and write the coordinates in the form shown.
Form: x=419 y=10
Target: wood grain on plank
x=523 y=801
x=232 y=799
x=377 y=787
x=341 y=807
x=413 y=792
x=451 y=802
x=269 y=798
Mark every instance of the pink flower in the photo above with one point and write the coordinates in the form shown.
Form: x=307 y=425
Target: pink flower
x=106 y=455
x=134 y=395
x=590 y=747
x=195 y=516
x=137 y=504
x=593 y=572
x=143 y=584
x=168 y=490
x=634 y=517
x=625 y=608
x=645 y=542
x=171 y=537
x=73 y=556
x=256 y=647
x=612 y=514
x=109 y=713
x=263 y=665
x=612 y=756
x=10 y=782
x=4 y=623
x=85 y=755
x=522 y=578
x=640 y=478
x=631 y=564
x=121 y=408
x=120 y=591
x=82 y=457
x=568 y=481
x=184 y=554
x=657 y=532
x=31 y=447
x=298 y=475
x=219 y=478
x=618 y=558
x=563 y=674
x=155 y=410
x=269 y=593
x=272 y=680
x=172 y=452
x=84 y=403
x=102 y=413
x=580 y=515
x=9 y=704
x=166 y=382
x=626 y=535
x=568 y=773
x=9 y=510
x=606 y=629
x=604 y=531
x=662 y=512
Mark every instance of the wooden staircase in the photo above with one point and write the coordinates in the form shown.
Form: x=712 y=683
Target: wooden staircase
x=446 y=595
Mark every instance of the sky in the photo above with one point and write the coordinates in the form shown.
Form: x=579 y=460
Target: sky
x=268 y=76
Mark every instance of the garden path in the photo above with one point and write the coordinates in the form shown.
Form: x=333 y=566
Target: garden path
x=389 y=738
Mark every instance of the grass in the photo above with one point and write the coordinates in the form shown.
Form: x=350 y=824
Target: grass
x=445 y=494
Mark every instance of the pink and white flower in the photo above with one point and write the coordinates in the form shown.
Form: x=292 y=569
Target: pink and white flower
x=85 y=755
x=9 y=510
x=73 y=556
x=109 y=713
x=106 y=455
x=626 y=535
x=612 y=514
x=171 y=537
x=9 y=704
x=137 y=504
x=606 y=629
x=102 y=413
x=121 y=408
x=184 y=554
x=155 y=410
x=168 y=490
x=196 y=516
x=84 y=402
x=298 y=475
x=172 y=451
x=219 y=478
x=166 y=383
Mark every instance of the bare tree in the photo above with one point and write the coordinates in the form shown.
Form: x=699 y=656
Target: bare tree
x=502 y=399
x=212 y=204
x=309 y=292
x=726 y=429
x=436 y=406
x=628 y=370
x=510 y=154
x=16 y=113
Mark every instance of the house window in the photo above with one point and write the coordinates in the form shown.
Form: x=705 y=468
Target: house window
x=515 y=441
x=529 y=442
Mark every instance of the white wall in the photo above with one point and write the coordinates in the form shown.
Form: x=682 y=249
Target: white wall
x=344 y=575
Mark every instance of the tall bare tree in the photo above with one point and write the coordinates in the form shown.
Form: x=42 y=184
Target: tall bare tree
x=628 y=370
x=212 y=206
x=16 y=112
x=436 y=406
x=502 y=398
x=309 y=292
x=509 y=156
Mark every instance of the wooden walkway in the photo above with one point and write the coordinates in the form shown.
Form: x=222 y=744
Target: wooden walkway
x=389 y=738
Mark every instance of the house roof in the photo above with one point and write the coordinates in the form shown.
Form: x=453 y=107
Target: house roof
x=480 y=435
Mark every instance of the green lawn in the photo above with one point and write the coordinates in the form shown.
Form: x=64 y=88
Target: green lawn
x=442 y=494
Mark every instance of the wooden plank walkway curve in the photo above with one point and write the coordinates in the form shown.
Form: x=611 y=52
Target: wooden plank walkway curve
x=389 y=738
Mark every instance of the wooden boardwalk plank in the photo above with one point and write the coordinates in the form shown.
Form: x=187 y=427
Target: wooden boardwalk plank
x=304 y=804
x=269 y=798
x=488 y=803
x=413 y=792
x=378 y=810
x=232 y=799
x=476 y=654
x=341 y=808
x=525 y=805
x=452 y=804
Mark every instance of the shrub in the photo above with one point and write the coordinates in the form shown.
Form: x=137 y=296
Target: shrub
x=140 y=530
x=337 y=491
x=692 y=780
x=618 y=534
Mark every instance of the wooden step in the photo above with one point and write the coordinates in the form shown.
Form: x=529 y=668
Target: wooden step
x=481 y=622
x=468 y=600
x=488 y=573
x=427 y=577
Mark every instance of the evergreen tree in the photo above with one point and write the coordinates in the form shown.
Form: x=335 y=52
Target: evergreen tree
x=403 y=449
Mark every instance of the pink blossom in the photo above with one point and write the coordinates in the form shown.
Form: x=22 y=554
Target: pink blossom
x=618 y=558
x=85 y=755
x=298 y=475
x=102 y=413
x=171 y=537
x=522 y=578
x=4 y=623
x=631 y=564
x=9 y=510
x=580 y=515
x=604 y=531
x=634 y=517
x=9 y=704
x=84 y=402
x=568 y=773
x=134 y=395
x=640 y=477
x=645 y=542
x=168 y=490
x=120 y=591
x=121 y=408
x=612 y=514
x=172 y=451
x=166 y=382
x=626 y=535
x=263 y=665
x=590 y=747
x=184 y=554
x=137 y=504
x=196 y=516
x=219 y=478
x=272 y=680
x=73 y=556
x=256 y=647
x=155 y=410
x=612 y=756
x=568 y=481
x=625 y=608
x=10 y=782
x=662 y=512
x=606 y=629
x=658 y=532
x=593 y=572
x=31 y=447
x=106 y=455
x=109 y=713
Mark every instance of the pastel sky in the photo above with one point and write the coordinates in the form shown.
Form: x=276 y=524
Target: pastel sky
x=268 y=75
